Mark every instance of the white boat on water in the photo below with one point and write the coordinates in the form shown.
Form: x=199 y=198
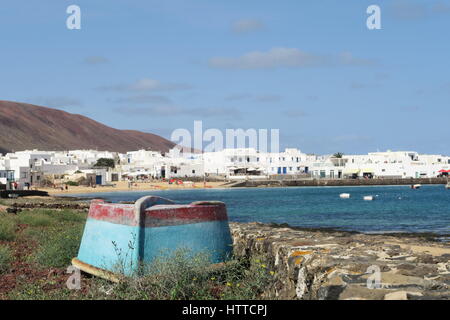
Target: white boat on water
x=344 y=195
x=416 y=186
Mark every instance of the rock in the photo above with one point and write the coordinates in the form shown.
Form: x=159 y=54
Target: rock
x=425 y=258
x=405 y=266
x=332 y=288
x=13 y=210
x=397 y=295
x=420 y=271
x=314 y=264
x=352 y=292
x=389 y=279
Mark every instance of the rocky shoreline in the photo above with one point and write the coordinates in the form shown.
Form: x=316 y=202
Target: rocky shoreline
x=17 y=205
x=317 y=264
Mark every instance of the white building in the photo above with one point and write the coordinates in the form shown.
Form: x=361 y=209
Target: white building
x=389 y=164
x=250 y=163
x=30 y=167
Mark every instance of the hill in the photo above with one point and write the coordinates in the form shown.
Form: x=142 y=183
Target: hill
x=26 y=126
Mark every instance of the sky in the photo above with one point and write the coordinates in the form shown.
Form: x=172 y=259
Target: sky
x=311 y=69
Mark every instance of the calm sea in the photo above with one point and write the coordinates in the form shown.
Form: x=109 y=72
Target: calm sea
x=395 y=208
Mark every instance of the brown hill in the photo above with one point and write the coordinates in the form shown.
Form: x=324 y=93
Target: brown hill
x=25 y=126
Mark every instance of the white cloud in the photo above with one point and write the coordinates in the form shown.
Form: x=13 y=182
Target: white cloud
x=251 y=97
x=295 y=113
x=140 y=99
x=55 y=102
x=170 y=111
x=285 y=57
x=147 y=85
x=410 y=10
x=268 y=98
x=238 y=96
x=247 y=25
x=275 y=57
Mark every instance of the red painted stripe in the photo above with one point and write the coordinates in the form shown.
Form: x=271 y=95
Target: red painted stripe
x=112 y=212
x=158 y=215
x=188 y=212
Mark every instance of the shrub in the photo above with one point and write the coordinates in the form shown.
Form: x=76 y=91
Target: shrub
x=105 y=162
x=67 y=216
x=37 y=291
x=187 y=277
x=36 y=218
x=45 y=217
x=58 y=249
x=5 y=259
x=72 y=183
x=7 y=228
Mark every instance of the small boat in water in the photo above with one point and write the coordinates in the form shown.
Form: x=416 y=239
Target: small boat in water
x=416 y=186
x=119 y=238
x=344 y=195
x=368 y=198
x=447 y=186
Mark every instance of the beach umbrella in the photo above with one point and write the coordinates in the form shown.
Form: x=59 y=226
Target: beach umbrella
x=442 y=171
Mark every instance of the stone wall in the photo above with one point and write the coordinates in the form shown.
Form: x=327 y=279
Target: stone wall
x=338 y=265
x=339 y=182
x=22 y=193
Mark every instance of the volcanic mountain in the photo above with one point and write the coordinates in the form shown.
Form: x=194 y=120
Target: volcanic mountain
x=26 y=126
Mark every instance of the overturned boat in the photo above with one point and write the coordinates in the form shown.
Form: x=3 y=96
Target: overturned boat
x=119 y=238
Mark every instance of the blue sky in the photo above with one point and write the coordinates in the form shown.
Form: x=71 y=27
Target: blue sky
x=309 y=68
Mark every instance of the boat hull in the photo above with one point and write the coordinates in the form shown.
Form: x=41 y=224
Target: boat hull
x=120 y=239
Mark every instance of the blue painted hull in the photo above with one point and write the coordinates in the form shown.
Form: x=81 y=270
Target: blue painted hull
x=121 y=248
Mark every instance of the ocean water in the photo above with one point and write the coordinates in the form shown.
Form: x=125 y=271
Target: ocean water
x=395 y=208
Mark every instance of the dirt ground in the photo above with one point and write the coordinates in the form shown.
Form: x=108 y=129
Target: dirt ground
x=22 y=271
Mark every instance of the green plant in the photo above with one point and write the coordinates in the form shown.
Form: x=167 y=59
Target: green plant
x=5 y=258
x=66 y=215
x=58 y=249
x=105 y=162
x=46 y=217
x=7 y=228
x=36 y=218
x=185 y=276
x=72 y=183
x=38 y=291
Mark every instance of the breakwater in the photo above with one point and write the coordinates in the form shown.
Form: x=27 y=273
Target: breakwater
x=22 y=193
x=327 y=264
x=338 y=182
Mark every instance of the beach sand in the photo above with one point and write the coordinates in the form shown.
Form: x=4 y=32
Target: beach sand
x=121 y=186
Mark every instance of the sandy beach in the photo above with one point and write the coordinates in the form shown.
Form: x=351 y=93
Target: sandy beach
x=121 y=186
